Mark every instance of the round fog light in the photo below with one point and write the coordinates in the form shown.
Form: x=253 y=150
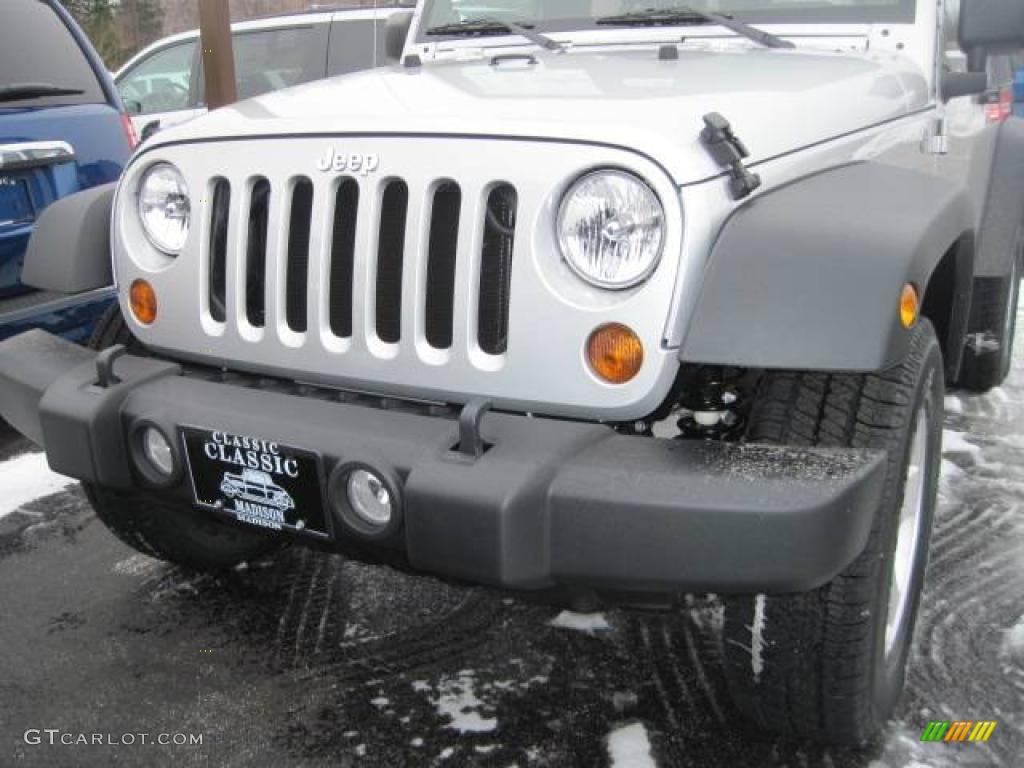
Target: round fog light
x=370 y=498
x=158 y=451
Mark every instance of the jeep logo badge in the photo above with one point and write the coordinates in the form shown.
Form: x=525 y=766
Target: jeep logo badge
x=352 y=163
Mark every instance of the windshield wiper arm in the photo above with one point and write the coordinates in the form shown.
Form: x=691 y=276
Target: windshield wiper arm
x=17 y=91
x=485 y=26
x=685 y=15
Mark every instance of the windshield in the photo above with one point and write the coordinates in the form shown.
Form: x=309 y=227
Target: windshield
x=567 y=15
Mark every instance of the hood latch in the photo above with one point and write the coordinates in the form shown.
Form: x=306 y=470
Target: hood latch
x=729 y=152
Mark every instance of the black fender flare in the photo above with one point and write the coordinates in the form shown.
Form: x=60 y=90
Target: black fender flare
x=997 y=181
x=69 y=251
x=808 y=276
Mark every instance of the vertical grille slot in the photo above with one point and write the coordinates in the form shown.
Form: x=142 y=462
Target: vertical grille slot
x=256 y=254
x=390 y=253
x=219 y=249
x=343 y=246
x=496 y=269
x=444 y=240
x=297 y=275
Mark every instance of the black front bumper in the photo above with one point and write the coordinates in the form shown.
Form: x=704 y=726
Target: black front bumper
x=550 y=503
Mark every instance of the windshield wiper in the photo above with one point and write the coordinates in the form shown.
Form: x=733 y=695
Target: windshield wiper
x=17 y=91
x=682 y=14
x=485 y=26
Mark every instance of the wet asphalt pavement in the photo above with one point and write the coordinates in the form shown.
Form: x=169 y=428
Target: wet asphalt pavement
x=309 y=660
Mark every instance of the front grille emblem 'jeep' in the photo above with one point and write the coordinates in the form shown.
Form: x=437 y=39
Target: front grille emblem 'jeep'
x=336 y=161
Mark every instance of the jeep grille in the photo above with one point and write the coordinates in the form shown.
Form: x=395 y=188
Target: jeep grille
x=441 y=246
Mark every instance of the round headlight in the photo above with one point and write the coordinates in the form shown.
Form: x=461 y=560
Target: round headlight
x=165 y=208
x=611 y=229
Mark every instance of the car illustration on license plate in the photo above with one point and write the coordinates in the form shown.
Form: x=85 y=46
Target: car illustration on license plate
x=257 y=482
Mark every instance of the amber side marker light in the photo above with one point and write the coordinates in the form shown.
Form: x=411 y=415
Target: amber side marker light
x=143 y=301
x=909 y=306
x=615 y=353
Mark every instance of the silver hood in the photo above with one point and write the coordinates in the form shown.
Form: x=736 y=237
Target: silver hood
x=777 y=101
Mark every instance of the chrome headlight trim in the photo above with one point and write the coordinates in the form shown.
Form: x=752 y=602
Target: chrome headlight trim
x=644 y=197
x=163 y=191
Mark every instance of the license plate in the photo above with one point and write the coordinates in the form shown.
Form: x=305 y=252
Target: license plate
x=257 y=482
x=15 y=203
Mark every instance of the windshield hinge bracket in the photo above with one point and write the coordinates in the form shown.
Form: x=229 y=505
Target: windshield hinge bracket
x=729 y=152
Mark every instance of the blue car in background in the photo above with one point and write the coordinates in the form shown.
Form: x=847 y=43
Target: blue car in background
x=63 y=129
x=1018 y=93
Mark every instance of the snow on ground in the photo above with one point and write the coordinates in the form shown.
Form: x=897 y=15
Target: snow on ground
x=1013 y=641
x=581 y=622
x=629 y=747
x=456 y=699
x=954 y=442
x=757 y=638
x=27 y=478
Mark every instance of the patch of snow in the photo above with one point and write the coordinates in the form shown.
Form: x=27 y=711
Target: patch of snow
x=629 y=747
x=757 y=638
x=138 y=565
x=999 y=395
x=417 y=742
x=380 y=702
x=457 y=700
x=1013 y=641
x=954 y=442
x=953 y=405
x=447 y=752
x=26 y=478
x=948 y=470
x=361 y=750
x=581 y=622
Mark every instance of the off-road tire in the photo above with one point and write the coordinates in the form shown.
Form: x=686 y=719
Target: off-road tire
x=173 y=531
x=988 y=352
x=156 y=524
x=813 y=665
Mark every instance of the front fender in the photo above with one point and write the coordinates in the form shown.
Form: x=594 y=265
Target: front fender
x=69 y=251
x=808 y=276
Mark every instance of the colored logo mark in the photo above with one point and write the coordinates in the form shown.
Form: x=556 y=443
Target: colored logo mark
x=958 y=730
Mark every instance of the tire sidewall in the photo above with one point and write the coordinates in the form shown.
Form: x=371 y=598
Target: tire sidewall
x=1010 y=326
x=889 y=673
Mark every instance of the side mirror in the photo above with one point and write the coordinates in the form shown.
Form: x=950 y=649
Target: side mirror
x=990 y=26
x=151 y=129
x=396 y=30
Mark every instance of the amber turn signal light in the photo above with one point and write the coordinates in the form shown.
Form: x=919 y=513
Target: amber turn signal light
x=909 y=306
x=143 y=302
x=615 y=353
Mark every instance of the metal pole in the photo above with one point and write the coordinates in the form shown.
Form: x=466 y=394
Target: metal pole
x=218 y=55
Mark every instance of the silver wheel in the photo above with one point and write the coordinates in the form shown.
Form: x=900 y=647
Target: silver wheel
x=908 y=535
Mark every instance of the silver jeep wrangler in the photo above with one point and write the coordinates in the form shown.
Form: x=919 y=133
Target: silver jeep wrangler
x=598 y=299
